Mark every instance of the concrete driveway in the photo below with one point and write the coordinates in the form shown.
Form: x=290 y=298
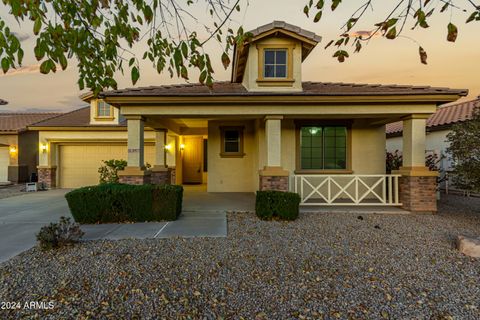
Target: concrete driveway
x=204 y=215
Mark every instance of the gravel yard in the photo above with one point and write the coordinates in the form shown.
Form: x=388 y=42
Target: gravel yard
x=320 y=266
x=7 y=191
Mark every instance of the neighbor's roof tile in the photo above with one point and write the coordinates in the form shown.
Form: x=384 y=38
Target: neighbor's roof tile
x=446 y=115
x=17 y=122
x=75 y=118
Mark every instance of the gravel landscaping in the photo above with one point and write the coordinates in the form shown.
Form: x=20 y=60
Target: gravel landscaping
x=12 y=190
x=319 y=266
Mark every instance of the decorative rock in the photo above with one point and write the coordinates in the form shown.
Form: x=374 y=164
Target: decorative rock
x=469 y=246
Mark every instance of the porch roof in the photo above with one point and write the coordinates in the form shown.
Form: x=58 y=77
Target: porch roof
x=309 y=89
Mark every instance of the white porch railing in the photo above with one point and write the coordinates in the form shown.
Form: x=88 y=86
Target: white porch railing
x=347 y=190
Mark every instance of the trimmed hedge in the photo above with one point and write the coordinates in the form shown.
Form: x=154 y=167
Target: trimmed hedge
x=277 y=204
x=125 y=203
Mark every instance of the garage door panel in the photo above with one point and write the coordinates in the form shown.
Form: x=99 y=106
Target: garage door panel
x=4 y=163
x=79 y=164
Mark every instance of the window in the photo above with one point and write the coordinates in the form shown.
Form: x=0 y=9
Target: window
x=103 y=110
x=323 y=148
x=231 y=141
x=275 y=63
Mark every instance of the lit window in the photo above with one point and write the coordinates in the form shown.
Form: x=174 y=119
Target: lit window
x=275 y=63
x=103 y=109
x=323 y=148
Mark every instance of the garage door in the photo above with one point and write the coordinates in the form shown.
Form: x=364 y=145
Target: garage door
x=78 y=165
x=4 y=162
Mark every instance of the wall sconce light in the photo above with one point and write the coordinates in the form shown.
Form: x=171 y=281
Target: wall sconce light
x=43 y=147
x=13 y=149
x=182 y=147
x=168 y=147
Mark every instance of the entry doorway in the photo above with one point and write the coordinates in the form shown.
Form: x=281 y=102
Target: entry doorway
x=193 y=160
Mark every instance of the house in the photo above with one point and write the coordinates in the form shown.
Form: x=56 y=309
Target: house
x=18 y=146
x=265 y=129
x=438 y=126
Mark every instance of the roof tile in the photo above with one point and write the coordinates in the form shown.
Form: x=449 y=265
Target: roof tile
x=18 y=122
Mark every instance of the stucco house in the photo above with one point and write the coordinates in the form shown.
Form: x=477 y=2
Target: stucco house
x=265 y=129
x=438 y=126
x=19 y=146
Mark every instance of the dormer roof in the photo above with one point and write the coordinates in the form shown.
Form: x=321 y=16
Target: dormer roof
x=277 y=28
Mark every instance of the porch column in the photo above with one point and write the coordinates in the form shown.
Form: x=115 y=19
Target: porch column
x=418 y=185
x=273 y=177
x=135 y=172
x=161 y=174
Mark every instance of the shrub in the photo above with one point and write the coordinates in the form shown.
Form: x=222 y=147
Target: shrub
x=277 y=204
x=125 y=203
x=109 y=171
x=56 y=235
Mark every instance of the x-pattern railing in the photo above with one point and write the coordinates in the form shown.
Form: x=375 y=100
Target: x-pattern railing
x=348 y=189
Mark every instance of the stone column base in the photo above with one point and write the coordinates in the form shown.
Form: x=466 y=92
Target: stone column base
x=418 y=190
x=134 y=175
x=47 y=177
x=274 y=178
x=173 y=175
x=161 y=175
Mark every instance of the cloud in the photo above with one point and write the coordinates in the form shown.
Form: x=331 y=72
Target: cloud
x=34 y=68
x=363 y=33
x=21 y=36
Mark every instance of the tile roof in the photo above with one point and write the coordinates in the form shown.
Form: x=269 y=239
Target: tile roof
x=76 y=118
x=309 y=89
x=18 y=122
x=288 y=27
x=3 y=102
x=445 y=116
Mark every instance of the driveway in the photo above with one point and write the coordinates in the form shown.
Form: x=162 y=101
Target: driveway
x=204 y=215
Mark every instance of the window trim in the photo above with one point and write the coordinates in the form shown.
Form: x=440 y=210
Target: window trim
x=240 y=153
x=322 y=123
x=275 y=82
x=103 y=118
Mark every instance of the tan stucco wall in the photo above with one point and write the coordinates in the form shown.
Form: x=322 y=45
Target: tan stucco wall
x=11 y=140
x=117 y=118
x=230 y=174
x=251 y=70
x=368 y=148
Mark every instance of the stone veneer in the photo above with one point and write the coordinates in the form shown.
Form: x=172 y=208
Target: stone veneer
x=277 y=183
x=47 y=177
x=163 y=176
x=418 y=194
x=135 y=179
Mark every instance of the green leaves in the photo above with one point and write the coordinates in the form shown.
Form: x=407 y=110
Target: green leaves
x=341 y=55
x=423 y=55
x=225 y=60
x=452 y=32
x=5 y=65
x=135 y=75
x=47 y=66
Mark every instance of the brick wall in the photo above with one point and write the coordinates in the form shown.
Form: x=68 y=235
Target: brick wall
x=161 y=177
x=418 y=194
x=278 y=183
x=47 y=177
x=137 y=180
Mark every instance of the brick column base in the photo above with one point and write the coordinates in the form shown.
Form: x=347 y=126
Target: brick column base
x=132 y=175
x=161 y=176
x=418 y=194
x=273 y=178
x=47 y=177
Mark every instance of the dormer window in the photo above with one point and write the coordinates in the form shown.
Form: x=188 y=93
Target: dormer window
x=104 y=110
x=275 y=65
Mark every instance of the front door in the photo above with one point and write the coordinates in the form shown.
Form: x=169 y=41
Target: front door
x=193 y=160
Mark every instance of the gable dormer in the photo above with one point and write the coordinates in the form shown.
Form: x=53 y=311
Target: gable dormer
x=271 y=60
x=101 y=113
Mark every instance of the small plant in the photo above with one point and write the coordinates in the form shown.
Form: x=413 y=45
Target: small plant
x=56 y=235
x=277 y=204
x=109 y=171
x=393 y=161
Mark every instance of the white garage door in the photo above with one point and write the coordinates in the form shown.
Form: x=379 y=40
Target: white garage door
x=78 y=165
x=4 y=163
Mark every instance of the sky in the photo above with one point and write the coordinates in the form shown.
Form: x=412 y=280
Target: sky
x=382 y=61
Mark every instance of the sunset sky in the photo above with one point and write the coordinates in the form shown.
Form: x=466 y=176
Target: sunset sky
x=455 y=65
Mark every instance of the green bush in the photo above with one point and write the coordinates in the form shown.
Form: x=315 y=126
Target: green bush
x=277 y=204
x=56 y=235
x=125 y=203
x=109 y=170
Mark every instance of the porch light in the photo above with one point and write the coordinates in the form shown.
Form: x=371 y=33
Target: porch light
x=182 y=147
x=43 y=147
x=13 y=149
x=168 y=147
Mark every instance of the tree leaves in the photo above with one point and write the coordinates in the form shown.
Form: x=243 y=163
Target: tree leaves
x=225 y=60
x=423 y=55
x=341 y=55
x=452 y=32
x=135 y=75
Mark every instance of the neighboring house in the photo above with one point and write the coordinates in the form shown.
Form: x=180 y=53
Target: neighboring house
x=439 y=125
x=266 y=129
x=18 y=146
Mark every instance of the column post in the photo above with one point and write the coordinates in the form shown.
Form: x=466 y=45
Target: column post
x=417 y=185
x=161 y=174
x=135 y=172
x=273 y=176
